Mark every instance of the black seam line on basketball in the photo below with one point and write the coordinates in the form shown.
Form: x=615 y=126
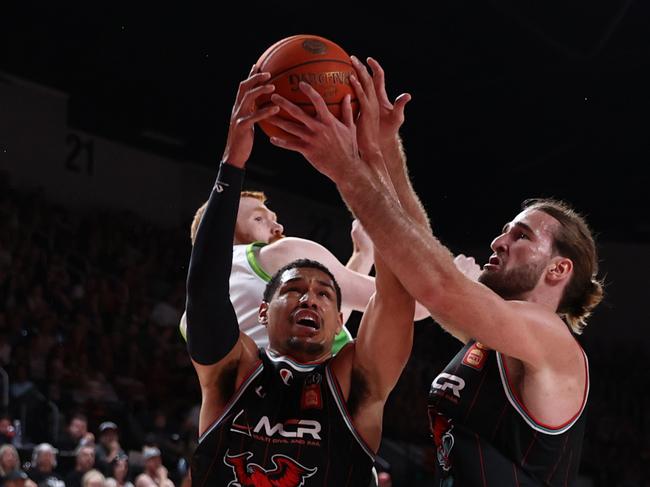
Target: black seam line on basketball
x=309 y=104
x=336 y=103
x=309 y=62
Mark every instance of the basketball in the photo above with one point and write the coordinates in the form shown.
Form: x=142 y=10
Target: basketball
x=313 y=59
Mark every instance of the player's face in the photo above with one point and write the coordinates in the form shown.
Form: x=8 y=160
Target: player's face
x=521 y=255
x=256 y=223
x=302 y=317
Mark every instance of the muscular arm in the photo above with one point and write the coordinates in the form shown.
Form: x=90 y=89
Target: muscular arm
x=523 y=330
x=531 y=337
x=424 y=266
x=395 y=158
x=207 y=278
x=378 y=128
x=213 y=338
x=221 y=354
x=381 y=350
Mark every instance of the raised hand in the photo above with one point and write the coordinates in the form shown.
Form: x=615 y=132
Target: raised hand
x=328 y=144
x=386 y=116
x=245 y=114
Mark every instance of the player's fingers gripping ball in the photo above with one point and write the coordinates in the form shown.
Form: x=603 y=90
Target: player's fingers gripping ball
x=313 y=59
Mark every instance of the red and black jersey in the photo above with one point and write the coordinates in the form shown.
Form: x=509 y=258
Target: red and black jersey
x=484 y=435
x=286 y=426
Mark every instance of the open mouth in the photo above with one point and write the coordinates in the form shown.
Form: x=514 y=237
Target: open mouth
x=493 y=263
x=307 y=318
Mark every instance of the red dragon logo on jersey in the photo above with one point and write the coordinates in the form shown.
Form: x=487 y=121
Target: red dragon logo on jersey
x=287 y=472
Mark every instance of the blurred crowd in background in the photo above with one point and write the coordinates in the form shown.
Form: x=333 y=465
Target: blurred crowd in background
x=98 y=388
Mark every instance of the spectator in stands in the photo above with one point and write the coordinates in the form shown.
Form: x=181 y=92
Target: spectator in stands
x=93 y=478
x=119 y=476
x=85 y=460
x=9 y=459
x=17 y=478
x=163 y=435
x=7 y=431
x=43 y=465
x=108 y=446
x=132 y=250
x=155 y=473
x=76 y=433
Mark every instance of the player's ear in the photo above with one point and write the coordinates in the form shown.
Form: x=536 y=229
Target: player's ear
x=560 y=269
x=263 y=313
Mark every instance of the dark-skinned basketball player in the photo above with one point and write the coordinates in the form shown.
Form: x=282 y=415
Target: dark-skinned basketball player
x=290 y=415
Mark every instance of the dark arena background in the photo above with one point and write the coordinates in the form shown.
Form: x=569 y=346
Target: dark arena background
x=113 y=118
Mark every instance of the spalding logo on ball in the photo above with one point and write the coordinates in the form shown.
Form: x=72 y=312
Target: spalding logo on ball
x=313 y=59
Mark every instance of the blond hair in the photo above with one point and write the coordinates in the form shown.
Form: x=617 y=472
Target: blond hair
x=14 y=453
x=259 y=195
x=92 y=476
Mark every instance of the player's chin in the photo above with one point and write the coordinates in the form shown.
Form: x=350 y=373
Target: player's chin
x=305 y=346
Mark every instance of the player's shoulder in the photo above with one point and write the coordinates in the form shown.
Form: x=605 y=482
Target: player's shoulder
x=533 y=310
x=281 y=252
x=294 y=247
x=290 y=241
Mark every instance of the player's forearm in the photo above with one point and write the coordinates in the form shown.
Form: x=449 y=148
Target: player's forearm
x=208 y=301
x=395 y=158
x=390 y=288
x=394 y=306
x=417 y=258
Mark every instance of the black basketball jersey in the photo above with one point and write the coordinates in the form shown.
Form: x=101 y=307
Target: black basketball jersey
x=286 y=426
x=484 y=435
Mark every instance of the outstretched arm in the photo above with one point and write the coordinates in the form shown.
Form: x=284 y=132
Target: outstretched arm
x=381 y=350
x=214 y=341
x=369 y=371
x=207 y=278
x=385 y=336
x=425 y=267
x=378 y=126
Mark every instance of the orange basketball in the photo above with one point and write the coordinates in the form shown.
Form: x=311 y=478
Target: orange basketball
x=315 y=60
